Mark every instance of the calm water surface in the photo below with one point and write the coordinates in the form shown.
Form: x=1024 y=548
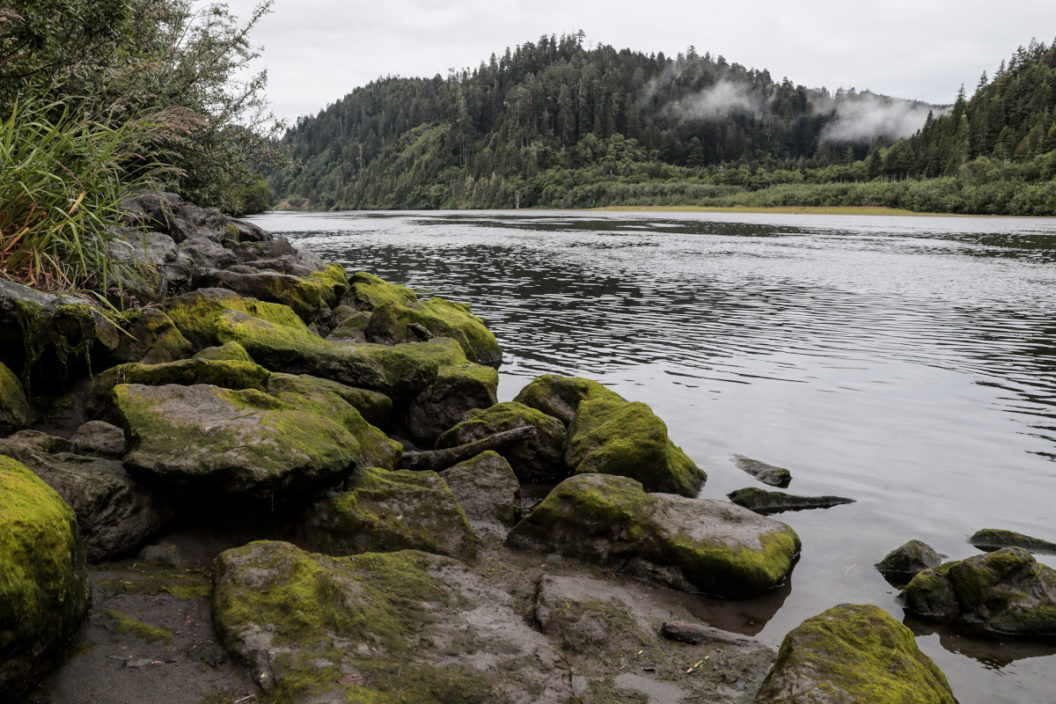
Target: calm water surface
x=909 y=363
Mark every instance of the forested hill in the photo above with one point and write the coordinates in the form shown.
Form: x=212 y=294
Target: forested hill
x=546 y=123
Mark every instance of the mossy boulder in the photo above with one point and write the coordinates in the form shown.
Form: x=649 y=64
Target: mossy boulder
x=44 y=591
x=151 y=337
x=850 y=654
x=349 y=324
x=310 y=297
x=990 y=539
x=538 y=459
x=696 y=545
x=229 y=352
x=398 y=316
x=378 y=628
x=384 y=511
x=375 y=407
x=236 y=441
x=1005 y=592
x=15 y=411
x=488 y=491
x=560 y=396
x=458 y=389
x=196 y=313
x=906 y=561
x=612 y=436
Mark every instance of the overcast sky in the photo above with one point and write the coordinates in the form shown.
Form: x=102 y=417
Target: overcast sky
x=316 y=51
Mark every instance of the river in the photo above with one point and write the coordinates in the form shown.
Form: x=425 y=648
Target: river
x=906 y=362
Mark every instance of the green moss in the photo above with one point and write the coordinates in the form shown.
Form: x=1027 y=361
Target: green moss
x=151 y=337
x=560 y=396
x=196 y=314
x=371 y=291
x=123 y=623
x=15 y=411
x=374 y=406
x=177 y=583
x=856 y=653
x=229 y=351
x=229 y=374
x=69 y=331
x=721 y=569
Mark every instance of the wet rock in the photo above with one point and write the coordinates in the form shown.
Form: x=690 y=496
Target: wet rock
x=278 y=254
x=990 y=539
x=696 y=545
x=766 y=473
x=612 y=436
x=1005 y=592
x=15 y=411
x=582 y=622
x=488 y=491
x=44 y=591
x=384 y=511
x=458 y=389
x=699 y=634
x=399 y=626
x=903 y=563
x=853 y=653
x=375 y=407
x=537 y=459
x=766 y=502
x=560 y=396
x=115 y=513
x=99 y=437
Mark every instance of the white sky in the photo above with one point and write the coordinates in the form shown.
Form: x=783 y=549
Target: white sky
x=316 y=51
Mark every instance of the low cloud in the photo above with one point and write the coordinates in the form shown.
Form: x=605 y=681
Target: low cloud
x=720 y=100
x=865 y=117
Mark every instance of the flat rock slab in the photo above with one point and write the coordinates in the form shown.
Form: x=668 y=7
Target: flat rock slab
x=405 y=626
x=990 y=539
x=766 y=473
x=766 y=502
x=696 y=545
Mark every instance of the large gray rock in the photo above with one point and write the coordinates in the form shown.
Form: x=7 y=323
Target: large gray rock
x=1004 y=592
x=488 y=491
x=44 y=589
x=696 y=545
x=852 y=654
x=277 y=255
x=170 y=214
x=403 y=626
x=115 y=513
x=458 y=389
x=99 y=437
x=207 y=253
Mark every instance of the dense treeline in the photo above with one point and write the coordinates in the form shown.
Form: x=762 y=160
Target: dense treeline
x=555 y=124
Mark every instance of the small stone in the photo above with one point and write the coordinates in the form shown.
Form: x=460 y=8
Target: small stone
x=765 y=502
x=99 y=437
x=766 y=473
x=699 y=634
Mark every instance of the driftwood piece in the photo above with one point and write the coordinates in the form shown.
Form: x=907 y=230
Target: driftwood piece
x=697 y=634
x=442 y=459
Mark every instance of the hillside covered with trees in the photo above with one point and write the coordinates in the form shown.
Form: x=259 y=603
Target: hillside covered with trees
x=553 y=123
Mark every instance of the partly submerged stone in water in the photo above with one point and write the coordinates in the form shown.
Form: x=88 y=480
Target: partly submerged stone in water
x=383 y=511
x=763 y=501
x=697 y=545
x=1003 y=592
x=990 y=539
x=853 y=653
x=903 y=563
x=766 y=473
x=44 y=589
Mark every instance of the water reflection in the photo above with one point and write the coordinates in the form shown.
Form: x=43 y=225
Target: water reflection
x=993 y=652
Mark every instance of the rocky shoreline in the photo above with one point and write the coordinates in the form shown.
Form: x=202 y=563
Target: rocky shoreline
x=272 y=481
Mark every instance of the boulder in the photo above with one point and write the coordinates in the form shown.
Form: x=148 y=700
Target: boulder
x=903 y=563
x=44 y=591
x=612 y=436
x=151 y=338
x=458 y=389
x=488 y=491
x=404 y=626
x=311 y=296
x=765 y=502
x=397 y=315
x=990 y=539
x=766 y=473
x=115 y=513
x=1005 y=592
x=100 y=438
x=560 y=396
x=169 y=213
x=278 y=254
x=207 y=253
x=243 y=231
x=375 y=407
x=15 y=411
x=384 y=511
x=850 y=654
x=196 y=313
x=582 y=622
x=696 y=545
x=227 y=352
x=538 y=459
x=349 y=325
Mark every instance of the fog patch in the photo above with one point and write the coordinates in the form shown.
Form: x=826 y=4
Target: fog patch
x=723 y=99
x=865 y=117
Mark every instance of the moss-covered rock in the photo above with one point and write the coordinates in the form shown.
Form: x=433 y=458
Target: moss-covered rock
x=1004 y=592
x=311 y=297
x=44 y=588
x=904 y=562
x=487 y=489
x=196 y=313
x=539 y=459
x=990 y=539
x=15 y=411
x=458 y=389
x=377 y=628
x=227 y=352
x=850 y=654
x=769 y=474
x=398 y=316
x=375 y=407
x=701 y=545
x=349 y=325
x=560 y=396
x=151 y=337
x=237 y=441
x=383 y=511
x=612 y=436
x=766 y=502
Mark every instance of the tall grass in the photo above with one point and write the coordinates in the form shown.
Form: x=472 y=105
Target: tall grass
x=62 y=179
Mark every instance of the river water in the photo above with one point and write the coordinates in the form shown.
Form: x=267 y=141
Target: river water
x=908 y=363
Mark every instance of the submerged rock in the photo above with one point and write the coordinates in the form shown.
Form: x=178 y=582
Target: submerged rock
x=1004 y=592
x=44 y=589
x=850 y=654
x=537 y=459
x=488 y=491
x=990 y=539
x=903 y=563
x=697 y=545
x=766 y=473
x=560 y=396
x=403 y=626
x=383 y=511
x=763 y=501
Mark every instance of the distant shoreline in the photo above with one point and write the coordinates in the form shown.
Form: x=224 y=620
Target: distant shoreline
x=783 y=210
